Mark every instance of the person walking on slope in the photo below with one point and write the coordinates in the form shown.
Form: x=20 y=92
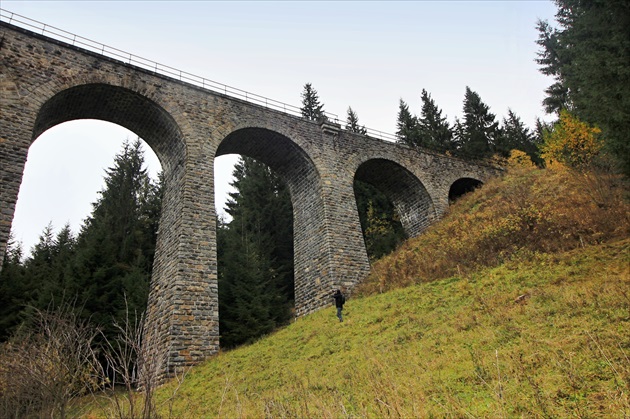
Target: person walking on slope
x=340 y=300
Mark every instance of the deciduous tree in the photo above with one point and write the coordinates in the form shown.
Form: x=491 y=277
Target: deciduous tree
x=572 y=142
x=48 y=364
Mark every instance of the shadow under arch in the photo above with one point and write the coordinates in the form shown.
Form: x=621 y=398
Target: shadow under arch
x=120 y=106
x=278 y=152
x=275 y=150
x=406 y=192
x=461 y=187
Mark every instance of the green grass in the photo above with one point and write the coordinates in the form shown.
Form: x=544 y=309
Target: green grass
x=544 y=337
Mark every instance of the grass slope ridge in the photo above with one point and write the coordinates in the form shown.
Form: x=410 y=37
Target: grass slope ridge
x=530 y=330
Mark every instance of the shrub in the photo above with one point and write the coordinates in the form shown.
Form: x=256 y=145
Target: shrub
x=47 y=365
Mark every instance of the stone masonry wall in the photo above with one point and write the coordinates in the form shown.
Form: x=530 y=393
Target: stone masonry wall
x=44 y=82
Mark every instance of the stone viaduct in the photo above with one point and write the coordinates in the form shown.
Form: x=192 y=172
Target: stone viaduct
x=45 y=82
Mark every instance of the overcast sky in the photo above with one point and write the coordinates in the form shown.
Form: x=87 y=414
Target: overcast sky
x=367 y=55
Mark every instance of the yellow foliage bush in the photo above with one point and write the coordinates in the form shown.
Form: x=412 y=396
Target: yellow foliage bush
x=571 y=142
x=519 y=159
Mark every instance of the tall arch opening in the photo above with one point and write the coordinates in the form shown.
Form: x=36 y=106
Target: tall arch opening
x=64 y=173
x=73 y=181
x=259 y=246
x=380 y=221
x=106 y=252
x=404 y=192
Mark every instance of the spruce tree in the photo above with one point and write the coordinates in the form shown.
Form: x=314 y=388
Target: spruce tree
x=13 y=289
x=58 y=254
x=109 y=262
x=588 y=56
x=246 y=308
x=311 y=109
x=39 y=267
x=514 y=135
x=352 y=123
x=549 y=59
x=477 y=134
x=406 y=126
x=38 y=282
x=434 y=132
x=112 y=266
x=255 y=256
x=381 y=226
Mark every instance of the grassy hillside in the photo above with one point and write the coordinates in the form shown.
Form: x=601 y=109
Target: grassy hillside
x=517 y=304
x=543 y=338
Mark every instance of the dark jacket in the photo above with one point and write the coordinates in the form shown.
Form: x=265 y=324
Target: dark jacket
x=339 y=299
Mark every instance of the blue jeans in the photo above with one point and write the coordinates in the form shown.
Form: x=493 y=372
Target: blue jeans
x=339 y=313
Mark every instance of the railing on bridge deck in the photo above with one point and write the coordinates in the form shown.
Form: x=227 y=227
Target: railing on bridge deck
x=126 y=57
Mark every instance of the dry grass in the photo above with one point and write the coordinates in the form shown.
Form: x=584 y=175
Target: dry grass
x=524 y=213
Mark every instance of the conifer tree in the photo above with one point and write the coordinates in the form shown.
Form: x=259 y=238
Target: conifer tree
x=39 y=266
x=352 y=123
x=13 y=289
x=246 y=298
x=406 y=126
x=588 y=56
x=477 y=134
x=514 y=135
x=113 y=262
x=311 y=109
x=549 y=59
x=38 y=282
x=381 y=226
x=255 y=256
x=47 y=266
x=434 y=132
x=109 y=262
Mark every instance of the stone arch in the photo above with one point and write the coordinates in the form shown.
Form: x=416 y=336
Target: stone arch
x=271 y=147
x=408 y=194
x=286 y=158
x=462 y=186
x=158 y=127
x=120 y=106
